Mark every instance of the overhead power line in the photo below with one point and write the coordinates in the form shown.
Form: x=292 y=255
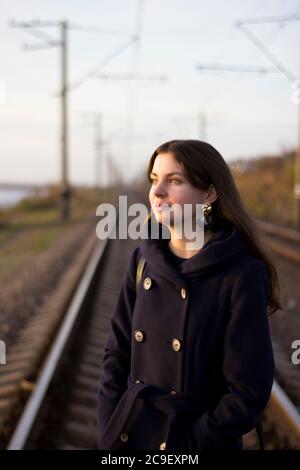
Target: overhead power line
x=242 y=25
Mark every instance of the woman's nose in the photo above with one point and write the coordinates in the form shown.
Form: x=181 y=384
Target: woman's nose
x=159 y=189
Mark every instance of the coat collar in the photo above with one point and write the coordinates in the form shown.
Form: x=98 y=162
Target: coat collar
x=225 y=244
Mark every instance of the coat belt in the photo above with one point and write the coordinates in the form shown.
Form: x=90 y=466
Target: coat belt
x=165 y=402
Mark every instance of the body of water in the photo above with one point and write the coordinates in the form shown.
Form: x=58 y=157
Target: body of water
x=11 y=197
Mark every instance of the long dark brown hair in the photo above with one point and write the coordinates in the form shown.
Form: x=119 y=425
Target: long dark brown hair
x=204 y=166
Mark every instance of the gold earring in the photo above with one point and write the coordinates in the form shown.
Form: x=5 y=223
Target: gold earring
x=207 y=209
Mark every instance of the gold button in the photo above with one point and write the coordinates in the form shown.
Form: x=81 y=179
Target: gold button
x=147 y=283
x=176 y=344
x=139 y=336
x=163 y=446
x=124 y=437
x=183 y=293
x=173 y=392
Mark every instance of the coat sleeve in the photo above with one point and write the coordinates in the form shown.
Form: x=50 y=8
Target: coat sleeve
x=115 y=366
x=248 y=363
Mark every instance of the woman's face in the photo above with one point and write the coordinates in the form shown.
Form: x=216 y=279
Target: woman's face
x=170 y=186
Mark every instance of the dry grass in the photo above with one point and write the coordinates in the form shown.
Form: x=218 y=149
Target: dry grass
x=266 y=187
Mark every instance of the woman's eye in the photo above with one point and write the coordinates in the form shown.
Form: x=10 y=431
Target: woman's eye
x=171 y=180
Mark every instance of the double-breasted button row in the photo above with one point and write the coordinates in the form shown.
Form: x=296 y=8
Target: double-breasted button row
x=139 y=336
x=148 y=283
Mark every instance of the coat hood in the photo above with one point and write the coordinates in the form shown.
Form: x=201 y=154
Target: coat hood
x=225 y=244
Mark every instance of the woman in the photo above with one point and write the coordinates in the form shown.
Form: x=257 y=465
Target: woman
x=189 y=363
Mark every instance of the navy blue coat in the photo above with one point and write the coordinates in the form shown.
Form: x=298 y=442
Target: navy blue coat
x=188 y=364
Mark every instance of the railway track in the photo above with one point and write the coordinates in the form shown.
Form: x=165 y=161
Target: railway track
x=58 y=398
x=282 y=241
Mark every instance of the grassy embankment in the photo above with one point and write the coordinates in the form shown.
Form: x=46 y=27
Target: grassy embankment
x=33 y=225
x=266 y=186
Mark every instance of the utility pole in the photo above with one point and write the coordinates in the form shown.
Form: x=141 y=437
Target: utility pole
x=34 y=28
x=109 y=168
x=103 y=155
x=98 y=148
x=64 y=124
x=47 y=42
x=106 y=168
x=278 y=67
x=113 y=171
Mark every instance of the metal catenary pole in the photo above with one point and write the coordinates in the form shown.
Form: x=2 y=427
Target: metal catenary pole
x=278 y=68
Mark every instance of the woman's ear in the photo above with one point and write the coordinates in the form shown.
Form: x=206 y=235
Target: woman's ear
x=211 y=194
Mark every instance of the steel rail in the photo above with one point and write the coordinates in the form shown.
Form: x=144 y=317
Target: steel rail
x=34 y=403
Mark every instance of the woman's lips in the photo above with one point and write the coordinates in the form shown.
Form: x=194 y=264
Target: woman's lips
x=160 y=207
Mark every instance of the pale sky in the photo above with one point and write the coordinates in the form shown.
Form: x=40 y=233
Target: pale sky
x=247 y=115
